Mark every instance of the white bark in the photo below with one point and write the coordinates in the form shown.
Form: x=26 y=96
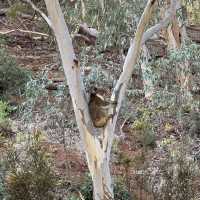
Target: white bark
x=97 y=153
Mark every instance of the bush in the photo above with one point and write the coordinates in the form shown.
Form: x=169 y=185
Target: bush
x=16 y=8
x=120 y=191
x=5 y=128
x=179 y=173
x=87 y=188
x=144 y=129
x=4 y=111
x=12 y=78
x=30 y=176
x=3 y=194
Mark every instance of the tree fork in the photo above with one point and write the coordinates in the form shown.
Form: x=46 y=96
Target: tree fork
x=98 y=156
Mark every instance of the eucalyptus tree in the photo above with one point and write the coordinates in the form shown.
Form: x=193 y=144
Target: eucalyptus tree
x=98 y=149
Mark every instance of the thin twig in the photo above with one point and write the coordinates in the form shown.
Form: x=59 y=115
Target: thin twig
x=43 y=15
x=23 y=31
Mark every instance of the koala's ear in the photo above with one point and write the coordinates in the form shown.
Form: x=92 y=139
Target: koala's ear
x=93 y=90
x=100 y=97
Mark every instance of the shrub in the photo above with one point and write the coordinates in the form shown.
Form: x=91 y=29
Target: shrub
x=179 y=173
x=3 y=194
x=4 y=127
x=143 y=127
x=166 y=71
x=87 y=188
x=12 y=78
x=4 y=111
x=16 y=8
x=120 y=191
x=30 y=176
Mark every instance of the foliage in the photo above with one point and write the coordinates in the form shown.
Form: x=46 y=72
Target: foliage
x=5 y=128
x=87 y=188
x=189 y=51
x=4 y=110
x=12 y=78
x=3 y=193
x=190 y=120
x=125 y=159
x=16 y=8
x=169 y=76
x=58 y=113
x=168 y=66
x=120 y=191
x=30 y=176
x=34 y=91
x=143 y=127
x=192 y=7
x=178 y=171
x=115 y=24
x=3 y=40
x=98 y=78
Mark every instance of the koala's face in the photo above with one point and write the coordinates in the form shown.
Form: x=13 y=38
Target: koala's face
x=98 y=109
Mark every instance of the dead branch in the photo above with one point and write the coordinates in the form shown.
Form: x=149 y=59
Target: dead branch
x=86 y=33
x=83 y=38
x=85 y=30
x=23 y=31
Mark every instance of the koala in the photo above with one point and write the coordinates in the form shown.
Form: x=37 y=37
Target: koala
x=99 y=110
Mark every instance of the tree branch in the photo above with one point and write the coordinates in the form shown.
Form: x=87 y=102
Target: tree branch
x=131 y=60
x=23 y=31
x=48 y=21
x=132 y=55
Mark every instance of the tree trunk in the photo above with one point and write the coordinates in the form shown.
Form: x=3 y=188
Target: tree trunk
x=102 y=183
